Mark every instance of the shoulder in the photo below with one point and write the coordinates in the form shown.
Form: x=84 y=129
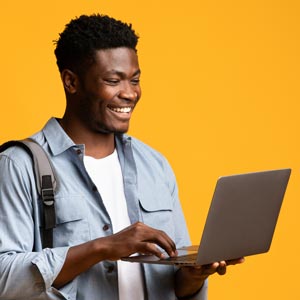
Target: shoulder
x=143 y=150
x=14 y=154
x=16 y=172
x=139 y=146
x=152 y=160
x=16 y=165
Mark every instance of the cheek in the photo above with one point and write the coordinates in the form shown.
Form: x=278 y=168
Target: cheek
x=91 y=109
x=100 y=100
x=106 y=91
x=99 y=109
x=138 y=92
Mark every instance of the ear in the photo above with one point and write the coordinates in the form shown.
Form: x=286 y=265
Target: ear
x=70 y=81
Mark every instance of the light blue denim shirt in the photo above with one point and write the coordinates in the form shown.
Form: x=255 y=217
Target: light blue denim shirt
x=27 y=271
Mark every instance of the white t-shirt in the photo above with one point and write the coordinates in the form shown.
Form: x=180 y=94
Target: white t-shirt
x=107 y=175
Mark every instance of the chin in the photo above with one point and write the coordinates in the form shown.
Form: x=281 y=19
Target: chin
x=113 y=130
x=121 y=131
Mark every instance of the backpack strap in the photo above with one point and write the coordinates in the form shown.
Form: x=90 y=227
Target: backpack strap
x=45 y=183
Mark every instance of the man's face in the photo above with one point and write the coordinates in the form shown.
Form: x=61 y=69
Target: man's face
x=109 y=91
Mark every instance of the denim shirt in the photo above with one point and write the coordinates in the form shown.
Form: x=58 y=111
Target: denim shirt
x=27 y=271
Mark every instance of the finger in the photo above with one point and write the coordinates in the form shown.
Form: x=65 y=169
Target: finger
x=159 y=237
x=221 y=270
x=164 y=241
x=205 y=271
x=150 y=248
x=210 y=269
x=145 y=237
x=235 y=261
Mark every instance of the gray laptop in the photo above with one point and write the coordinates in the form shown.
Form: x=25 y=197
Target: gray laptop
x=240 y=222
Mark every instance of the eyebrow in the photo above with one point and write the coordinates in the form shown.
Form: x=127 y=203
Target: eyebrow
x=120 y=73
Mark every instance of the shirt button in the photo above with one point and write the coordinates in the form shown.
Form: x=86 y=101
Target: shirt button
x=78 y=151
x=110 y=269
x=105 y=227
x=95 y=189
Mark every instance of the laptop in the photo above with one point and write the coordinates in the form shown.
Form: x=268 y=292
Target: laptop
x=241 y=220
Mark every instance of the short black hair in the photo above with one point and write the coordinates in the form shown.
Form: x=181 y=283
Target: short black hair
x=77 y=44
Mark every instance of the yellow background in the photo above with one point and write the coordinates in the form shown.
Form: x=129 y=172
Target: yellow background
x=220 y=96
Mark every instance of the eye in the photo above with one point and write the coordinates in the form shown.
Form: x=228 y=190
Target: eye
x=135 y=81
x=112 y=81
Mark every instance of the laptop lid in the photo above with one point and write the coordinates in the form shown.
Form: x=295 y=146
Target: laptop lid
x=243 y=215
x=241 y=219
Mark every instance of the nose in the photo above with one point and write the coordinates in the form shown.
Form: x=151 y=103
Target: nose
x=129 y=92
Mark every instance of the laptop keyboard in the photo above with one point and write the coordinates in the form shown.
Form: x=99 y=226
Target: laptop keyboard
x=184 y=258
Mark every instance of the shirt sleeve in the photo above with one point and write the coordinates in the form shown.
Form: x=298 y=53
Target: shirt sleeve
x=26 y=271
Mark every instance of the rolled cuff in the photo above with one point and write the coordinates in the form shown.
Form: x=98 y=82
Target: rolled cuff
x=49 y=265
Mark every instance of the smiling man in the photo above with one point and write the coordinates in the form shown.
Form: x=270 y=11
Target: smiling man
x=116 y=196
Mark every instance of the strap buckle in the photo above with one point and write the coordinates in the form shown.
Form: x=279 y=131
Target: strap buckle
x=48 y=196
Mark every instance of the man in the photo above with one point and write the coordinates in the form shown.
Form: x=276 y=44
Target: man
x=116 y=196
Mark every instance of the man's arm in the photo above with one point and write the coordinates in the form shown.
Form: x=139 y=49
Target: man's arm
x=38 y=271
x=135 y=238
x=22 y=259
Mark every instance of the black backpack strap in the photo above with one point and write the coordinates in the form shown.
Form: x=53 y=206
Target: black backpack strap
x=45 y=182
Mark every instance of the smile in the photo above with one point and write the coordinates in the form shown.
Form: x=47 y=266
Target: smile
x=121 y=109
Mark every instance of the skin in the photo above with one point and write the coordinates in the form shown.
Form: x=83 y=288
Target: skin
x=93 y=117
x=111 y=82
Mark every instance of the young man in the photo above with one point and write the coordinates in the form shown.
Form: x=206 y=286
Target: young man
x=116 y=195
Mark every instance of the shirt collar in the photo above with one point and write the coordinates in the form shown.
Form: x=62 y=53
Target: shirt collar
x=56 y=137
x=59 y=141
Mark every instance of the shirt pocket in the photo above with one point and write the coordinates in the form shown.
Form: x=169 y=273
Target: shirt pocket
x=72 y=227
x=156 y=208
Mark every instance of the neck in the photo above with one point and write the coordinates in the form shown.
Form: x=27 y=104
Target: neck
x=97 y=145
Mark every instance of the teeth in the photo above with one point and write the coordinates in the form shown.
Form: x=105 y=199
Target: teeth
x=121 y=109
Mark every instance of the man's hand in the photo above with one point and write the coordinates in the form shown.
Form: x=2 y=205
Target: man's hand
x=137 y=238
x=189 y=280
